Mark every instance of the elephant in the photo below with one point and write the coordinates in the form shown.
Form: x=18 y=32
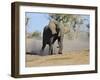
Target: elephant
x=52 y=32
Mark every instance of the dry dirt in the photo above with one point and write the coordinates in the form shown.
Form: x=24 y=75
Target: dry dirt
x=75 y=52
x=69 y=58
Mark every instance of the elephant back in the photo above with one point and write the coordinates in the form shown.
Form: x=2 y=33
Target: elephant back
x=47 y=34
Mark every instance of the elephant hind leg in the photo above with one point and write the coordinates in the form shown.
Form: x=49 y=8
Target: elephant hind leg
x=50 y=49
x=44 y=45
x=42 y=49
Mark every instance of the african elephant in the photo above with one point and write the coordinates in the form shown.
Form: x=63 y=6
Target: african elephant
x=52 y=32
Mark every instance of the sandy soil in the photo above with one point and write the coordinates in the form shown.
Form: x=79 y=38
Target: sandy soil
x=75 y=52
x=69 y=58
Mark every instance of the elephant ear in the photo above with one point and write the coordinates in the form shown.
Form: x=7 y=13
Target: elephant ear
x=61 y=29
x=52 y=26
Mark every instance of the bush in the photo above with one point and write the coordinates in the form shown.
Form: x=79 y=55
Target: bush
x=36 y=34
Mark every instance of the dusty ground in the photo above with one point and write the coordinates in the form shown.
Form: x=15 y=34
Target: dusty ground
x=74 y=52
x=69 y=58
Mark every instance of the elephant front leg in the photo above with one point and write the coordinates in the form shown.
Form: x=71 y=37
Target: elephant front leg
x=60 y=43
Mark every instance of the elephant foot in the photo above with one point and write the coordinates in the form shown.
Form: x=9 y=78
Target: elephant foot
x=60 y=53
x=57 y=46
x=50 y=53
x=41 y=53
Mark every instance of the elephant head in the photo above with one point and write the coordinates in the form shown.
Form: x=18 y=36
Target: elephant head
x=53 y=25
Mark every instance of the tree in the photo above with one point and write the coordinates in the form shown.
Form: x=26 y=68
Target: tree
x=70 y=21
x=26 y=22
x=36 y=34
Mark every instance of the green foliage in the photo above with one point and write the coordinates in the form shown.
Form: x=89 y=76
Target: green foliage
x=36 y=34
x=64 y=17
x=70 y=21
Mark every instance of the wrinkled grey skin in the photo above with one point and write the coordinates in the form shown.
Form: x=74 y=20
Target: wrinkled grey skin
x=52 y=32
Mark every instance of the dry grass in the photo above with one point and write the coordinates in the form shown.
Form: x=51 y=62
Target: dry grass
x=68 y=58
